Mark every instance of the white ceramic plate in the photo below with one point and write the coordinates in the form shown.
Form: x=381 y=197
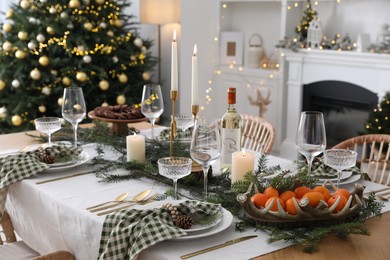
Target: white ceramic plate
x=84 y=158
x=354 y=178
x=343 y=176
x=202 y=228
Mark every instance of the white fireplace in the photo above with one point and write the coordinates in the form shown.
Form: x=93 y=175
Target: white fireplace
x=368 y=70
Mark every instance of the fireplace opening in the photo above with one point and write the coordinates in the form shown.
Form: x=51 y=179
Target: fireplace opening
x=346 y=107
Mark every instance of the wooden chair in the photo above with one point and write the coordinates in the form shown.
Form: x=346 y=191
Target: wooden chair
x=373 y=155
x=257 y=134
x=11 y=249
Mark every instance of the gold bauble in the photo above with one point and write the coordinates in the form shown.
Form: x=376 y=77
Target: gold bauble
x=44 y=60
x=81 y=76
x=104 y=104
x=104 y=85
x=50 y=30
x=100 y=2
x=19 y=54
x=88 y=26
x=42 y=108
x=110 y=33
x=7 y=46
x=25 y=4
x=123 y=78
x=59 y=102
x=16 y=120
x=121 y=100
x=7 y=27
x=9 y=13
x=2 y=84
x=66 y=81
x=118 y=23
x=146 y=75
x=74 y=4
x=35 y=74
x=22 y=35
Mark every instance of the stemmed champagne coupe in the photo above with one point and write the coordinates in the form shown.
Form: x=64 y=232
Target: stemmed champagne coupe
x=183 y=122
x=48 y=125
x=73 y=108
x=152 y=103
x=311 y=136
x=340 y=159
x=205 y=146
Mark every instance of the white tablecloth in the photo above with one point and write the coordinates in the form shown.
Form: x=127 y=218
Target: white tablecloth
x=52 y=216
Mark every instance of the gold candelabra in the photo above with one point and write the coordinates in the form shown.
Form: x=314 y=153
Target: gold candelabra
x=174 y=97
x=195 y=110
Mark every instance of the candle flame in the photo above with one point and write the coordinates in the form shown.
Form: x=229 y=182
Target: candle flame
x=195 y=50
x=174 y=35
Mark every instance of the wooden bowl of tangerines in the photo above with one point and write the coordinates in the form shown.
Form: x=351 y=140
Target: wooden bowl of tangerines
x=301 y=205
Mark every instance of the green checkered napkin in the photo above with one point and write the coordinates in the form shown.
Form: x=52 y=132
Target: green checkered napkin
x=321 y=170
x=14 y=168
x=126 y=233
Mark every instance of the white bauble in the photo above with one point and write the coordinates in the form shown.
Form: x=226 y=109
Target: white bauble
x=7 y=46
x=32 y=20
x=3 y=112
x=59 y=101
x=42 y=108
x=50 y=30
x=2 y=84
x=110 y=33
x=44 y=60
x=41 y=38
x=87 y=59
x=144 y=49
x=100 y=2
x=121 y=100
x=81 y=48
x=88 y=26
x=138 y=42
x=81 y=76
x=22 y=35
x=146 y=75
x=16 y=120
x=31 y=45
x=103 y=25
x=74 y=4
x=25 y=4
x=46 y=91
x=54 y=73
x=104 y=85
x=15 y=83
x=133 y=57
x=70 y=26
x=66 y=81
x=43 y=1
x=64 y=15
x=9 y=14
x=19 y=54
x=52 y=10
x=123 y=78
x=7 y=27
x=104 y=104
x=115 y=59
x=35 y=74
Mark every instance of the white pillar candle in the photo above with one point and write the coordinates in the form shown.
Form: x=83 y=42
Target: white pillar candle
x=135 y=145
x=174 y=75
x=242 y=162
x=194 y=81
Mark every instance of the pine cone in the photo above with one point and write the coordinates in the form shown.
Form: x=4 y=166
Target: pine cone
x=184 y=222
x=44 y=157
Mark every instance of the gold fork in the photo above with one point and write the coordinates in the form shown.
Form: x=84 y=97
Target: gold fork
x=149 y=200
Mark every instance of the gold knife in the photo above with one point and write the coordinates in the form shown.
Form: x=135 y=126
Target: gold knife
x=227 y=243
x=64 y=177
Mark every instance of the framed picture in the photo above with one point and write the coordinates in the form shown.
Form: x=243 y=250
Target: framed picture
x=231 y=49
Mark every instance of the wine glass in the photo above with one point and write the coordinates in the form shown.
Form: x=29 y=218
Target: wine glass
x=311 y=136
x=174 y=168
x=48 y=125
x=340 y=159
x=205 y=146
x=73 y=108
x=152 y=103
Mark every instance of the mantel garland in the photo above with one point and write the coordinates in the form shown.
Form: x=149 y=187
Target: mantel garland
x=220 y=189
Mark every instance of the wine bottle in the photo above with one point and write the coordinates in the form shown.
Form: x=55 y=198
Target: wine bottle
x=230 y=130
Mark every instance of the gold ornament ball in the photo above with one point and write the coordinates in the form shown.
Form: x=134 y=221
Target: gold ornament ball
x=118 y=23
x=44 y=60
x=88 y=26
x=7 y=46
x=146 y=75
x=121 y=100
x=16 y=120
x=9 y=14
x=22 y=35
x=74 y=4
x=2 y=84
x=25 y=4
x=59 y=102
x=123 y=78
x=7 y=27
x=19 y=54
x=81 y=76
x=35 y=74
x=50 y=30
x=100 y=2
x=66 y=81
x=104 y=104
x=110 y=33
x=104 y=85
x=42 y=108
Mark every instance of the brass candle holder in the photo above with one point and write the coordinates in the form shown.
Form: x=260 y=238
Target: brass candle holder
x=195 y=110
x=174 y=96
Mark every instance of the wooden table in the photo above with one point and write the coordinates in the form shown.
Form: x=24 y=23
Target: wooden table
x=375 y=246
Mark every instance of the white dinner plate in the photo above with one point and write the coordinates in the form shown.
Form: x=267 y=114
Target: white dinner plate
x=204 y=227
x=343 y=176
x=354 y=178
x=84 y=157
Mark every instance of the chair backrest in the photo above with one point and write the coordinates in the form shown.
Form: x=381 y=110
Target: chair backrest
x=373 y=155
x=257 y=134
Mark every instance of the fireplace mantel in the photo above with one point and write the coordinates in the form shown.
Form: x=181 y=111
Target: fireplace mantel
x=368 y=70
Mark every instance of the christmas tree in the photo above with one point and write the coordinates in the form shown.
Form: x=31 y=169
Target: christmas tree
x=48 y=45
x=379 y=118
x=309 y=14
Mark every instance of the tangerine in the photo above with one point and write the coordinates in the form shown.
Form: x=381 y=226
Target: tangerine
x=314 y=198
x=271 y=192
x=259 y=199
x=275 y=204
x=290 y=206
x=287 y=195
x=343 y=192
x=300 y=191
x=324 y=191
x=339 y=206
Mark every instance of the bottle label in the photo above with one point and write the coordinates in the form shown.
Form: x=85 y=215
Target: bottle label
x=231 y=142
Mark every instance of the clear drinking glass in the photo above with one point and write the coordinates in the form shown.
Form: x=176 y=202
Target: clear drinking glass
x=174 y=168
x=73 y=108
x=183 y=122
x=340 y=159
x=205 y=146
x=152 y=103
x=48 y=125
x=311 y=136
